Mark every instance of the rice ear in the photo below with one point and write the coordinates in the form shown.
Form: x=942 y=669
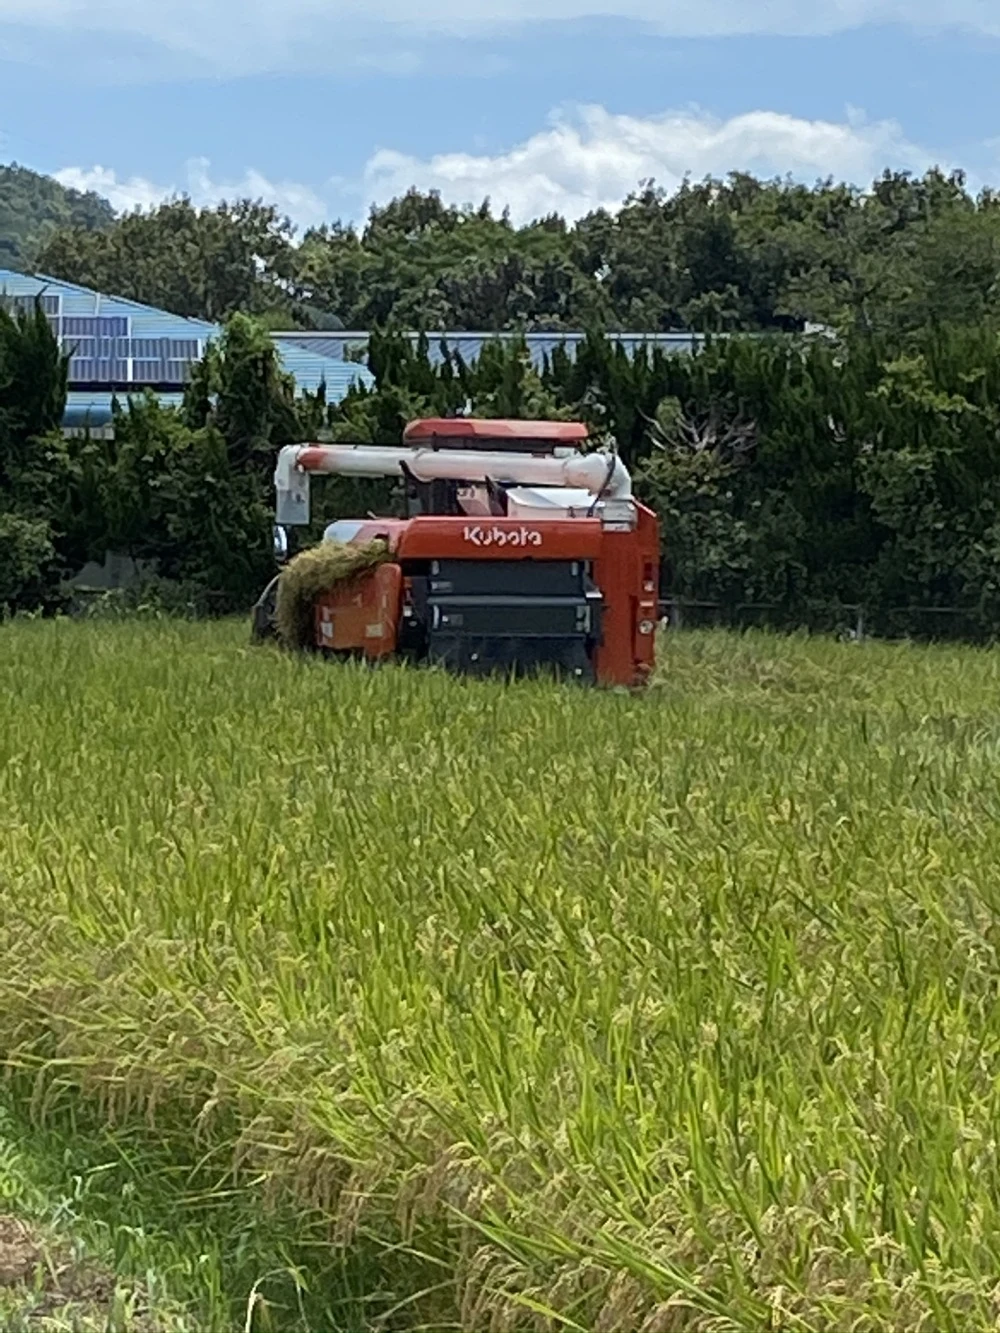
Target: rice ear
x=312 y=572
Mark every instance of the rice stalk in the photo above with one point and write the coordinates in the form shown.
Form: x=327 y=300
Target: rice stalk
x=576 y=1009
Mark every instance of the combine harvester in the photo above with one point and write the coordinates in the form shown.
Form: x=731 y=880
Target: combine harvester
x=520 y=552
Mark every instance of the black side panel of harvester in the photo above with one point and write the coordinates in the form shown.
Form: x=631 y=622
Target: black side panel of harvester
x=513 y=616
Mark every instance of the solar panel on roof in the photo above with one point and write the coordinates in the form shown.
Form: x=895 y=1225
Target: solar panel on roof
x=95 y=326
x=148 y=349
x=49 y=303
x=107 y=348
x=111 y=371
x=98 y=370
x=183 y=349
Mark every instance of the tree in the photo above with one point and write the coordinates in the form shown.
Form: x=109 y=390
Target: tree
x=689 y=478
x=27 y=562
x=205 y=263
x=241 y=389
x=32 y=399
x=33 y=375
x=717 y=255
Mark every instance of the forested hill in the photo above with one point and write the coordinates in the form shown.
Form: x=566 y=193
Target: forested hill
x=738 y=254
x=33 y=207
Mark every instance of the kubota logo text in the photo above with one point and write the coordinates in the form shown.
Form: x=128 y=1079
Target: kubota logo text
x=480 y=536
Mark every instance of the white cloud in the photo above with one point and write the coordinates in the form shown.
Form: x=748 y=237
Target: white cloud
x=592 y=158
x=123 y=195
x=256 y=35
x=299 y=202
x=584 y=159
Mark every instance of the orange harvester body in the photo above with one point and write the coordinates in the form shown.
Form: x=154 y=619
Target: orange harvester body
x=525 y=555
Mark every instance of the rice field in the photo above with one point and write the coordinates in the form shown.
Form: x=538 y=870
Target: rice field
x=360 y=1000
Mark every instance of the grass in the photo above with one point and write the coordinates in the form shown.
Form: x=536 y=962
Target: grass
x=57 y=1270
x=381 y=1000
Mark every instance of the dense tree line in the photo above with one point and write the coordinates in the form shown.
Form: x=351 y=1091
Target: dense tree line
x=807 y=474
x=807 y=477
x=733 y=254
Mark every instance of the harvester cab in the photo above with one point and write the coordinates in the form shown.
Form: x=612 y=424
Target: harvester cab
x=519 y=550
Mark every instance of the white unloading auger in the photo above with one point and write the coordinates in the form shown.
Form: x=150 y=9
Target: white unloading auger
x=600 y=474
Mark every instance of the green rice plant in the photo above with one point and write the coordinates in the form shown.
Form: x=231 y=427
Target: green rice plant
x=519 y=1006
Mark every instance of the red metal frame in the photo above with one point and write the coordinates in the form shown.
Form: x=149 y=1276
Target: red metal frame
x=628 y=575
x=625 y=565
x=469 y=428
x=429 y=537
x=363 y=614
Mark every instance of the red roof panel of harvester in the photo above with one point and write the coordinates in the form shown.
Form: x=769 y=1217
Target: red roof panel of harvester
x=469 y=428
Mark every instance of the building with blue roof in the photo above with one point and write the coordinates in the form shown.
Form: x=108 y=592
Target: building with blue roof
x=118 y=347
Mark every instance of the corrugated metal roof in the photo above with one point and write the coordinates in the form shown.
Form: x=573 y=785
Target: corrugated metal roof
x=94 y=409
x=146 y=320
x=469 y=344
x=312 y=368
x=333 y=345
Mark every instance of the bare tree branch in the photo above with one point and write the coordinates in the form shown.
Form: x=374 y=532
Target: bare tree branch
x=728 y=439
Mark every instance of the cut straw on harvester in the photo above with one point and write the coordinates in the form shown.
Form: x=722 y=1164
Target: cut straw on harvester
x=313 y=572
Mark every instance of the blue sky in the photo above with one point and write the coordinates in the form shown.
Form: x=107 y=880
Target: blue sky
x=326 y=105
